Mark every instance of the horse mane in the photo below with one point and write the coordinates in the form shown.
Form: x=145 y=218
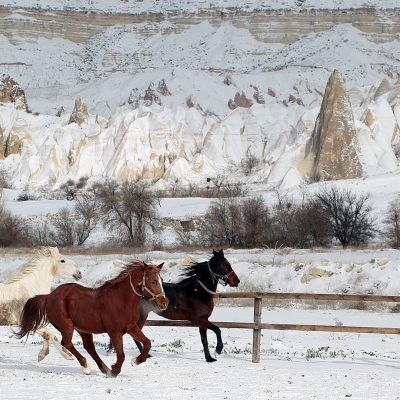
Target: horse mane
x=30 y=266
x=192 y=269
x=132 y=266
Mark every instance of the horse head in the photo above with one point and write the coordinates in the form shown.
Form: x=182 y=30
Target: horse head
x=152 y=285
x=221 y=269
x=60 y=265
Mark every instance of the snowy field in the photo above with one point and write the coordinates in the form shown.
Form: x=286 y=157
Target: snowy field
x=294 y=365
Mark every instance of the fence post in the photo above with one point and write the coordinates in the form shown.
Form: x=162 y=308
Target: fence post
x=257 y=332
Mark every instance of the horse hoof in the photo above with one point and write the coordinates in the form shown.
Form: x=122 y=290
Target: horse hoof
x=138 y=360
x=41 y=357
x=210 y=359
x=218 y=350
x=86 y=370
x=110 y=374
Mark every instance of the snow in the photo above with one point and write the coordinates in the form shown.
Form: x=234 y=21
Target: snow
x=173 y=142
x=304 y=365
x=168 y=6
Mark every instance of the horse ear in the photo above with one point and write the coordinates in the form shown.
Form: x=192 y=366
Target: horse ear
x=160 y=266
x=222 y=251
x=145 y=265
x=215 y=252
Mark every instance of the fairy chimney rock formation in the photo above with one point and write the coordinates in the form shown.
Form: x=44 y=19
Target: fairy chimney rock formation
x=11 y=92
x=80 y=113
x=333 y=149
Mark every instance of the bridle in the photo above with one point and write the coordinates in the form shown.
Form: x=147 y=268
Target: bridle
x=222 y=279
x=217 y=278
x=145 y=288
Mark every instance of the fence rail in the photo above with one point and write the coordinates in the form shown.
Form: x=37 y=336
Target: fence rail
x=257 y=325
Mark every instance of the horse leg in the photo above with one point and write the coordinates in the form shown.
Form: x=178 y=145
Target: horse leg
x=117 y=342
x=209 y=325
x=45 y=346
x=67 y=329
x=140 y=324
x=87 y=340
x=204 y=341
x=49 y=336
x=138 y=335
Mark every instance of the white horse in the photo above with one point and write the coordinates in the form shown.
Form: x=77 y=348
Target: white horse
x=33 y=278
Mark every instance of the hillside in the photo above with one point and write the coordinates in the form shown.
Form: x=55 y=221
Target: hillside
x=190 y=93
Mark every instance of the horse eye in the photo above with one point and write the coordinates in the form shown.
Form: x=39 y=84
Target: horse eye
x=63 y=261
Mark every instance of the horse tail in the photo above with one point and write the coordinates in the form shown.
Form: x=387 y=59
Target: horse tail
x=33 y=316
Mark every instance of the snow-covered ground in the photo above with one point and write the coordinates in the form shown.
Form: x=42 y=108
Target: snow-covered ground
x=301 y=365
x=294 y=365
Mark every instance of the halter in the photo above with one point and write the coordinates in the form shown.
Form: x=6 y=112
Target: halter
x=222 y=279
x=217 y=278
x=144 y=287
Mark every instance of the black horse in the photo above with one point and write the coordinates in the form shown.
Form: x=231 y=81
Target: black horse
x=192 y=299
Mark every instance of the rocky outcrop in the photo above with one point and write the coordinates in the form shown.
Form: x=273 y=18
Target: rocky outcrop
x=315 y=273
x=14 y=143
x=80 y=113
x=162 y=88
x=257 y=95
x=240 y=100
x=297 y=100
x=11 y=92
x=60 y=111
x=332 y=152
x=151 y=96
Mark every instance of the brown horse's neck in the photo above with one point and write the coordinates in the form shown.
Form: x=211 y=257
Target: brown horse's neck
x=131 y=288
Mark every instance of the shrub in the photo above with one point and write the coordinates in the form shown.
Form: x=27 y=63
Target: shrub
x=347 y=214
x=130 y=206
x=392 y=223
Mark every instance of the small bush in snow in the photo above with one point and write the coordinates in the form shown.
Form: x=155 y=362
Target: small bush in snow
x=13 y=230
x=392 y=224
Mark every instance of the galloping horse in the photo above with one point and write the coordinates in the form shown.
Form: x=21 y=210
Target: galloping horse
x=33 y=278
x=112 y=308
x=192 y=299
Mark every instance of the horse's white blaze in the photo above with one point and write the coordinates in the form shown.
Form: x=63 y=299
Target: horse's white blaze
x=33 y=278
x=160 y=283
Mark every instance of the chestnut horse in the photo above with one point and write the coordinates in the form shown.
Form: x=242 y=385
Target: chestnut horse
x=192 y=299
x=112 y=308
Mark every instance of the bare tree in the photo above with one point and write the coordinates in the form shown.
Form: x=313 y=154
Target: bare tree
x=63 y=229
x=130 y=205
x=348 y=215
x=87 y=209
x=392 y=223
x=256 y=222
x=13 y=230
x=71 y=188
x=236 y=222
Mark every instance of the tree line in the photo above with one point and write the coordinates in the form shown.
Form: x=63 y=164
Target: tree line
x=130 y=211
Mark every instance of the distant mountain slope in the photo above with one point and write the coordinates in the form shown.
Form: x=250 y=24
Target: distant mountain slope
x=181 y=93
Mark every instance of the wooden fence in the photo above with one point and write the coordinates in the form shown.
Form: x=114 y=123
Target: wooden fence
x=257 y=325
